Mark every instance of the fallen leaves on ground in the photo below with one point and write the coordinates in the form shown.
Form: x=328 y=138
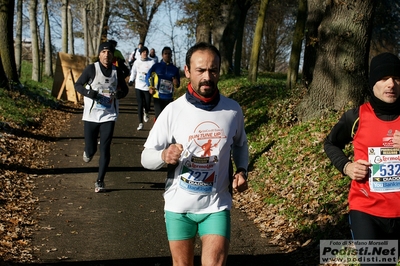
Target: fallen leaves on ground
x=22 y=150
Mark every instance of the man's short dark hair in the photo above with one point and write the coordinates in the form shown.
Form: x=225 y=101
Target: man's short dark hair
x=166 y=48
x=202 y=46
x=144 y=48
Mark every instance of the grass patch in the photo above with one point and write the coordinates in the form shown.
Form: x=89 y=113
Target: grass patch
x=23 y=106
x=290 y=171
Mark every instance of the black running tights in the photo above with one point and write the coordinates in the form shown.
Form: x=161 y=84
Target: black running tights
x=91 y=131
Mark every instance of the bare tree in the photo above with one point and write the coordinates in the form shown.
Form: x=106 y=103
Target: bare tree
x=48 y=52
x=244 y=6
x=138 y=15
x=276 y=38
x=269 y=46
x=34 y=40
x=64 y=26
x=221 y=23
x=298 y=35
x=172 y=36
x=94 y=20
x=170 y=33
x=8 y=70
x=102 y=15
x=89 y=49
x=224 y=33
x=71 y=39
x=18 y=37
x=228 y=31
x=255 y=51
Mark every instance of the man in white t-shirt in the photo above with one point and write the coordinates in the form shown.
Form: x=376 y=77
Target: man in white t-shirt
x=195 y=136
x=138 y=75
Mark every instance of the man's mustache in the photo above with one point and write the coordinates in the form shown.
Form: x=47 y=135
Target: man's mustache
x=207 y=83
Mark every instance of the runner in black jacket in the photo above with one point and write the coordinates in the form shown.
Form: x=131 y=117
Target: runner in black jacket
x=102 y=84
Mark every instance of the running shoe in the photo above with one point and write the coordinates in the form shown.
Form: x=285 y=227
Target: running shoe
x=140 y=127
x=146 y=117
x=99 y=187
x=85 y=158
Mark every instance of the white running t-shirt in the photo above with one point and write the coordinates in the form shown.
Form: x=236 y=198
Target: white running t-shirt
x=201 y=180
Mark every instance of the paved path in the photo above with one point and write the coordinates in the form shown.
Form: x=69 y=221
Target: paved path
x=124 y=226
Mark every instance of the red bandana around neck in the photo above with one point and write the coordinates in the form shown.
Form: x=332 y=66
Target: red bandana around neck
x=195 y=94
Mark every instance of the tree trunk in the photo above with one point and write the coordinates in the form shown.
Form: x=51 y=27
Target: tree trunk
x=64 y=26
x=98 y=32
x=87 y=37
x=48 y=53
x=244 y=7
x=105 y=14
x=18 y=38
x=255 y=50
x=295 y=54
x=8 y=69
x=224 y=34
x=85 y=30
x=34 y=40
x=95 y=32
x=71 y=39
x=315 y=14
x=340 y=72
x=203 y=33
x=270 y=45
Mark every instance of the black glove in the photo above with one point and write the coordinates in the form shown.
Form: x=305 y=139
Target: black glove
x=92 y=94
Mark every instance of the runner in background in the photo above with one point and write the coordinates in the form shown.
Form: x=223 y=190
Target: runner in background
x=135 y=55
x=119 y=59
x=162 y=79
x=153 y=55
x=102 y=84
x=138 y=75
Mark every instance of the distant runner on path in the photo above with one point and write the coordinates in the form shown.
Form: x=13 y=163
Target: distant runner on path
x=102 y=85
x=138 y=76
x=163 y=78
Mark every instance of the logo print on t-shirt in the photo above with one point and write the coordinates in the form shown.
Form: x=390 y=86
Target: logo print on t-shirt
x=207 y=136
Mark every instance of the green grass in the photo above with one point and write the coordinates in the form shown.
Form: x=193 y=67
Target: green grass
x=24 y=106
x=292 y=174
